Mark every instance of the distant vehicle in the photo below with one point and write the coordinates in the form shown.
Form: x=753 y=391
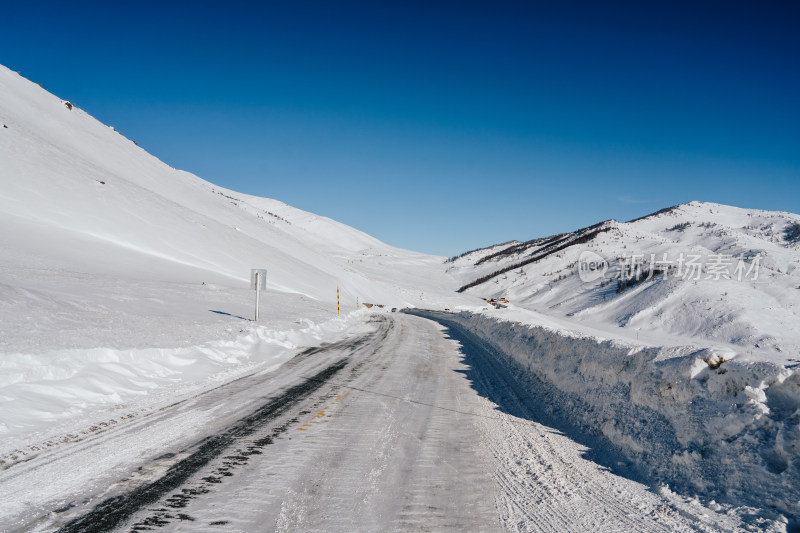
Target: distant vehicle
x=394 y=309
x=446 y=308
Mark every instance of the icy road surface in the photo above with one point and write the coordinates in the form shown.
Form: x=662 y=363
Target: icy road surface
x=413 y=427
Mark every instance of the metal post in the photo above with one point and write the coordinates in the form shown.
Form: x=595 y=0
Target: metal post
x=258 y=290
x=337 y=299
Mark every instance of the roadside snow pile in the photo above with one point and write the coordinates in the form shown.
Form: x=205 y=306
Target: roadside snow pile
x=39 y=390
x=689 y=417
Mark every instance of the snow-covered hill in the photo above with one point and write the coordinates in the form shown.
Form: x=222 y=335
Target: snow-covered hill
x=722 y=273
x=121 y=275
x=78 y=197
x=87 y=191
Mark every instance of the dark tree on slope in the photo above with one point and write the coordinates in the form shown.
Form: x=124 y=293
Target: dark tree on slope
x=792 y=232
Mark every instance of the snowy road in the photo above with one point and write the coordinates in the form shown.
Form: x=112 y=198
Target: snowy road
x=414 y=427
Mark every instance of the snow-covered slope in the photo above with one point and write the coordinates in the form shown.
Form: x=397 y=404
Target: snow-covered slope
x=79 y=196
x=726 y=274
x=122 y=278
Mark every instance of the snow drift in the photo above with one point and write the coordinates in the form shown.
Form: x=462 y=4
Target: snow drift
x=41 y=390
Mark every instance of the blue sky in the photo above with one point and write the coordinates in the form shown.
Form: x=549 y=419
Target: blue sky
x=442 y=127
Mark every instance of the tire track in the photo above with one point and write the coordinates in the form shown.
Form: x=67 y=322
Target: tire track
x=393 y=454
x=113 y=511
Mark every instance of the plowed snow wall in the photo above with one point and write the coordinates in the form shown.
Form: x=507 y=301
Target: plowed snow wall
x=727 y=430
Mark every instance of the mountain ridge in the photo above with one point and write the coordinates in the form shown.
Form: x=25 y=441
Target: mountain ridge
x=544 y=274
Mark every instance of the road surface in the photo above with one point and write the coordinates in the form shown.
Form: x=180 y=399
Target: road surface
x=414 y=427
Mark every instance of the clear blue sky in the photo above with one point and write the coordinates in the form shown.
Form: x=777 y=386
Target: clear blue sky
x=442 y=127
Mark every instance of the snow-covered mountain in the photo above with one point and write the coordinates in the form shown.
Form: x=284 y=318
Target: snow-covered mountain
x=75 y=189
x=124 y=288
x=715 y=272
x=120 y=275
x=82 y=201
x=80 y=197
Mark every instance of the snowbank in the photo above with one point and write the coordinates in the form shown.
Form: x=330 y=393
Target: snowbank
x=687 y=416
x=38 y=391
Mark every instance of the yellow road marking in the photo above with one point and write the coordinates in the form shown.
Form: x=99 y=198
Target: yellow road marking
x=321 y=412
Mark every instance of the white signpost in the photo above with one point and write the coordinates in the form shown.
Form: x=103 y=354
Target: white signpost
x=258 y=282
